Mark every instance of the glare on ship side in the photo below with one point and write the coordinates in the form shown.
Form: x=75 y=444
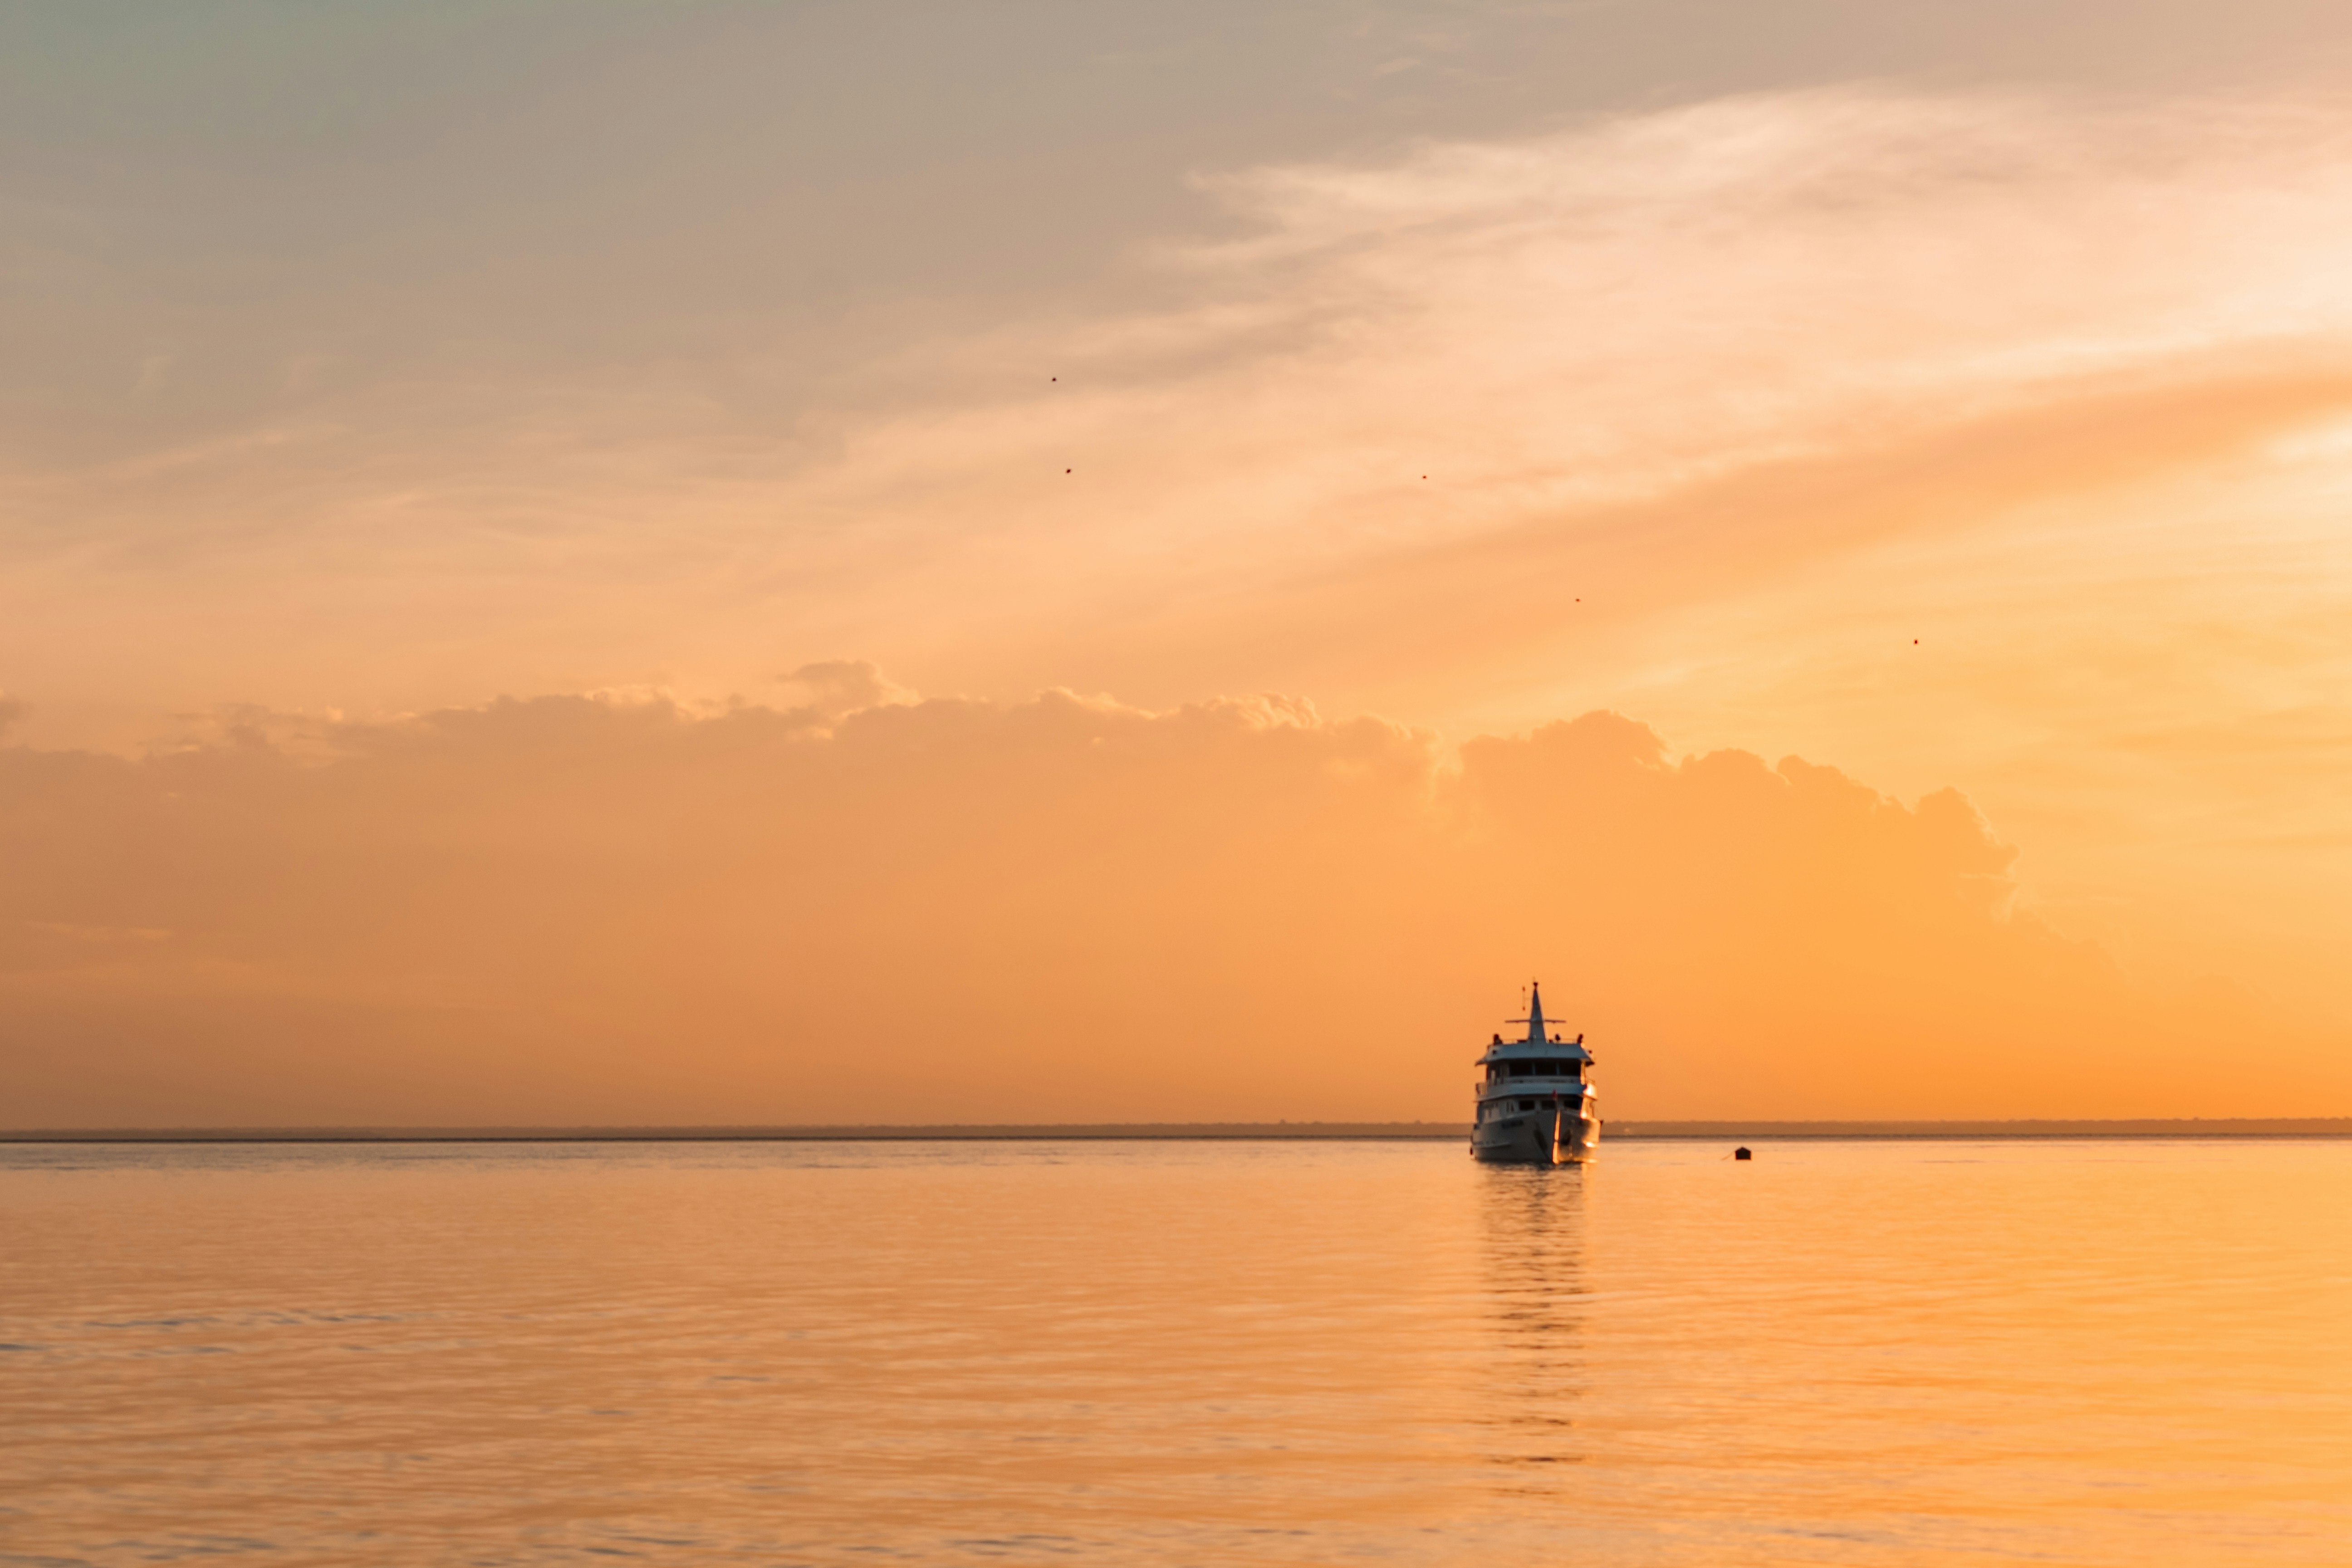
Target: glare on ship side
x=1535 y=1107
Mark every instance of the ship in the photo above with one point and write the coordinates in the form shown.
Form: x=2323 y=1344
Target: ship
x=1534 y=1106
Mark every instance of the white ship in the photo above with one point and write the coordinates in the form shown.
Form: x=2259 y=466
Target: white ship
x=1534 y=1107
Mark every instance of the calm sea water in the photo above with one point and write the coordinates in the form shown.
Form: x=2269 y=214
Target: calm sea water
x=1885 y=1353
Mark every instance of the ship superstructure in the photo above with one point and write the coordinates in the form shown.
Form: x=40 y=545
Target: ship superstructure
x=1535 y=1105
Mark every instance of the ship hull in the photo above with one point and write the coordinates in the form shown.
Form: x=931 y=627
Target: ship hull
x=1535 y=1138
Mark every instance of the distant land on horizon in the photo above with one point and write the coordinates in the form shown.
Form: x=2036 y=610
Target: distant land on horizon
x=2137 y=1127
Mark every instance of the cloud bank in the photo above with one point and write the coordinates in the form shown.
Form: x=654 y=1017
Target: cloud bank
x=578 y=910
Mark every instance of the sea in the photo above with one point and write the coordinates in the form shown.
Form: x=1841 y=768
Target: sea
x=2108 y=1351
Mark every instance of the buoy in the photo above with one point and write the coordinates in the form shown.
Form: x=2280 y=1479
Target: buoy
x=1741 y=1153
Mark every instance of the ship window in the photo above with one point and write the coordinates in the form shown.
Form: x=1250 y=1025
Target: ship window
x=1527 y=1105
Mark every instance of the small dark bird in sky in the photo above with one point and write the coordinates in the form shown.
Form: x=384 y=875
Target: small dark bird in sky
x=1915 y=642
x=1069 y=470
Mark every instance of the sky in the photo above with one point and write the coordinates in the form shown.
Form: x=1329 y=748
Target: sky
x=697 y=562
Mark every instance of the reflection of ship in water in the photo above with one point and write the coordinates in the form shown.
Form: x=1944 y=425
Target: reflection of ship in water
x=1534 y=1107
x=1531 y=1374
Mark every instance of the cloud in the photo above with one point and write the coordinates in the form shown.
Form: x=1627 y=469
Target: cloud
x=1560 y=327
x=567 y=910
x=839 y=686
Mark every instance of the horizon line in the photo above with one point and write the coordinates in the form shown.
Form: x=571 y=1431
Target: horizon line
x=1657 y=1130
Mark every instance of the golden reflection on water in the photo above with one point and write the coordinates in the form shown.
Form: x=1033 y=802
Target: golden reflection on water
x=1126 y=1353
x=1531 y=1234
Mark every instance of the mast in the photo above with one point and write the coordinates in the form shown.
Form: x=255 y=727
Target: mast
x=1535 y=1018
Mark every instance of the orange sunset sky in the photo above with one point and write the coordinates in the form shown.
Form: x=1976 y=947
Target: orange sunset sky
x=910 y=561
